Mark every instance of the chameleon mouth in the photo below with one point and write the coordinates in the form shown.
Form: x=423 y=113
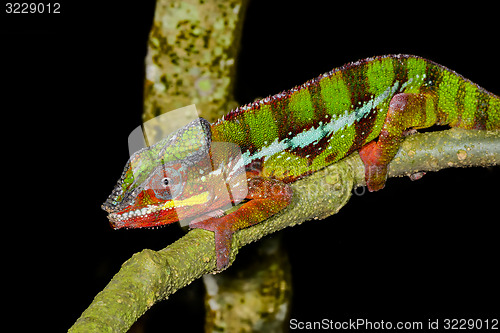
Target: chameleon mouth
x=128 y=216
x=156 y=215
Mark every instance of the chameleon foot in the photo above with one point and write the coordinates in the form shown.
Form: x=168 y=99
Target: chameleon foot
x=223 y=231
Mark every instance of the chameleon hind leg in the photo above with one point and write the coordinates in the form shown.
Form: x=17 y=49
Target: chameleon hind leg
x=405 y=111
x=266 y=198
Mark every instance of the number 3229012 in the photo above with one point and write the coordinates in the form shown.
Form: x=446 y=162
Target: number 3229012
x=32 y=8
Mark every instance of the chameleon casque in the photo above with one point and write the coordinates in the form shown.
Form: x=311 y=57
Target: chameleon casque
x=364 y=106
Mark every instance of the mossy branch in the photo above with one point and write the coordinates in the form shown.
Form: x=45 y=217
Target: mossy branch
x=150 y=276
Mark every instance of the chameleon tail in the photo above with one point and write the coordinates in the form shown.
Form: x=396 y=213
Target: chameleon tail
x=482 y=113
x=462 y=103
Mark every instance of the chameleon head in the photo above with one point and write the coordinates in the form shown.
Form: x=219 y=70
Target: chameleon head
x=159 y=183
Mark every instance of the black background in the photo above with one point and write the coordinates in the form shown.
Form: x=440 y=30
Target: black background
x=72 y=92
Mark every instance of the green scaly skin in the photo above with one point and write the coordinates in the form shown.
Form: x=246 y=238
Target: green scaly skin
x=364 y=106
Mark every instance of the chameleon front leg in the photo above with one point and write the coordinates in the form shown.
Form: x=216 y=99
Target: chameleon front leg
x=405 y=111
x=266 y=198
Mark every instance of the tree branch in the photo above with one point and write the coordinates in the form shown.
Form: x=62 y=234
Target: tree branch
x=150 y=276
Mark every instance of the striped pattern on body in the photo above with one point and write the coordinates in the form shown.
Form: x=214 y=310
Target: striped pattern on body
x=299 y=131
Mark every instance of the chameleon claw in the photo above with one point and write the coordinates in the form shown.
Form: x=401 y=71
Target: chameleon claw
x=417 y=175
x=409 y=131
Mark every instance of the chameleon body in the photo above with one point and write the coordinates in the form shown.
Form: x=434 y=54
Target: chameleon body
x=364 y=106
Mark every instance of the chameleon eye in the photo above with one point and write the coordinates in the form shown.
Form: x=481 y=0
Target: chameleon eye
x=166 y=181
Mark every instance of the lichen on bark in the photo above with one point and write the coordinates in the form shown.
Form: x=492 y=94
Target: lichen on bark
x=191 y=58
